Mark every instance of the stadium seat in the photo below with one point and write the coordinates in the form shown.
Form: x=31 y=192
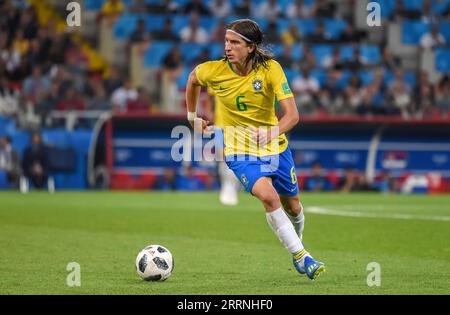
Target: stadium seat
x=444 y=28
x=371 y=53
x=443 y=60
x=154 y=22
x=191 y=51
x=297 y=52
x=155 y=54
x=387 y=7
x=93 y=5
x=409 y=78
x=413 y=5
x=366 y=77
x=181 y=21
x=306 y=26
x=346 y=52
x=334 y=27
x=320 y=75
x=439 y=7
x=182 y=79
x=412 y=31
x=216 y=50
x=290 y=74
x=125 y=25
x=344 y=79
x=321 y=52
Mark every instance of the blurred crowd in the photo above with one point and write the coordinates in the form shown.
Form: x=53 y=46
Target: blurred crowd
x=344 y=90
x=43 y=69
x=33 y=168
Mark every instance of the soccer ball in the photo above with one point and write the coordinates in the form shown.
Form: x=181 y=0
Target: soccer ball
x=154 y=263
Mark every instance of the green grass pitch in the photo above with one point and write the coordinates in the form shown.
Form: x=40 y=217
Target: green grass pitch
x=218 y=249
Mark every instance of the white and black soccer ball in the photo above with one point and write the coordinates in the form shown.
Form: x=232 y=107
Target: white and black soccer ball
x=154 y=263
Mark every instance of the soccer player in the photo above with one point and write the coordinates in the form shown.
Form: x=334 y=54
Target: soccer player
x=246 y=82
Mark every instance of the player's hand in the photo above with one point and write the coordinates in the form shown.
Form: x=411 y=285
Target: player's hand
x=263 y=135
x=201 y=126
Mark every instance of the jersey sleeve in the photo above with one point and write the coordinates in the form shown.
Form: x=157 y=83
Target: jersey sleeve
x=203 y=71
x=279 y=82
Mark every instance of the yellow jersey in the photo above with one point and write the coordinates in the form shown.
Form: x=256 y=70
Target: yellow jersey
x=244 y=101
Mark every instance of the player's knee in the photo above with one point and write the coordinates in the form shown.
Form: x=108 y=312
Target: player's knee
x=269 y=198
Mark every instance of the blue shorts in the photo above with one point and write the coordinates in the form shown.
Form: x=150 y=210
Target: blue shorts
x=248 y=169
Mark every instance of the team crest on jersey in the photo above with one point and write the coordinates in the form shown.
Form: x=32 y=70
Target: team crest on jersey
x=257 y=85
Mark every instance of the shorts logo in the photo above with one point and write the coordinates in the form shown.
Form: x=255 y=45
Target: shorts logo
x=257 y=85
x=244 y=180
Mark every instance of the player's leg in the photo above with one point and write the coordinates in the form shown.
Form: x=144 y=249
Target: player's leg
x=276 y=217
x=228 y=185
x=285 y=183
x=294 y=210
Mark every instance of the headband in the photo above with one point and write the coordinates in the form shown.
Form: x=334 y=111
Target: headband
x=240 y=35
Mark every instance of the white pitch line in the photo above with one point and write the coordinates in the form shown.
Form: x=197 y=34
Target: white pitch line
x=324 y=211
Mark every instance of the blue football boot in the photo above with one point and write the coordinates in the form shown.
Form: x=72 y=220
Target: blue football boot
x=311 y=267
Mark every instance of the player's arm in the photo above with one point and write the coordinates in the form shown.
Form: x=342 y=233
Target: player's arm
x=290 y=116
x=193 y=88
x=288 y=120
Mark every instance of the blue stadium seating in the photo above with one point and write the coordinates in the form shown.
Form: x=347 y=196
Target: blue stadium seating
x=408 y=76
x=387 y=7
x=155 y=54
x=297 y=52
x=180 y=21
x=216 y=50
x=93 y=5
x=154 y=22
x=344 y=80
x=440 y=6
x=191 y=51
x=413 y=5
x=320 y=75
x=182 y=79
x=96 y=5
x=290 y=74
x=321 y=52
x=371 y=53
x=334 y=27
x=443 y=60
x=125 y=25
x=412 y=31
x=444 y=28
x=7 y=126
x=346 y=52
x=366 y=77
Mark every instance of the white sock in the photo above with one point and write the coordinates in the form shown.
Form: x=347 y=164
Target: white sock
x=298 y=222
x=283 y=228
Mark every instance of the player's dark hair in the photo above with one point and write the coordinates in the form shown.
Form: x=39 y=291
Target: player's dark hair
x=251 y=30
